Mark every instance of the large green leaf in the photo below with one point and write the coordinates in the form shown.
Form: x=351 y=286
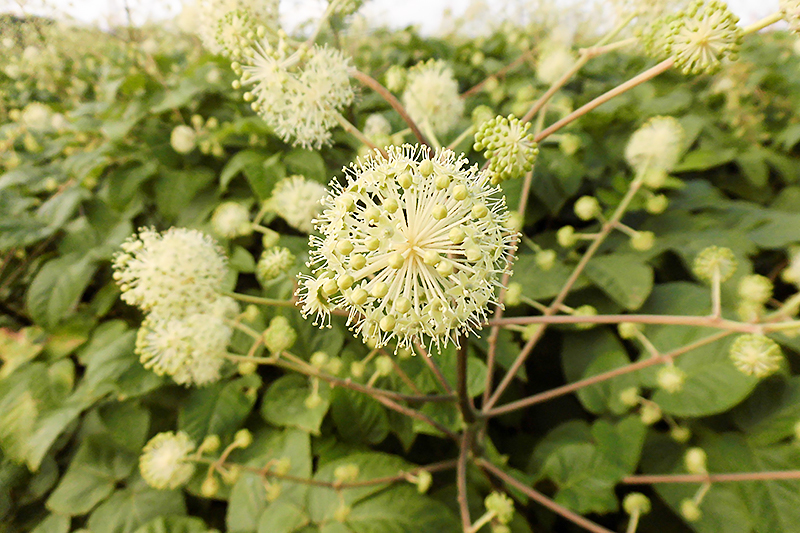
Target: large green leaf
x=358 y=417
x=401 y=509
x=284 y=403
x=218 y=409
x=623 y=277
x=129 y=509
x=57 y=288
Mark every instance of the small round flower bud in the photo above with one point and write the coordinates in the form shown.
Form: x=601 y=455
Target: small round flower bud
x=628 y=330
x=569 y=144
x=273 y=491
x=796 y=429
x=251 y=313
x=384 y=365
x=357 y=369
x=587 y=311
x=656 y=145
x=395 y=78
x=334 y=366
x=269 y=238
x=282 y=466
x=755 y=288
x=695 y=461
x=756 y=355
x=319 y=359
x=513 y=294
x=636 y=503
x=656 y=204
x=650 y=413
x=231 y=475
x=246 y=368
x=715 y=259
x=341 y=513
x=423 y=482
x=515 y=221
x=630 y=396
x=680 y=434
x=243 y=438
x=165 y=463
x=671 y=378
x=273 y=263
x=210 y=487
x=346 y=473
x=501 y=505
x=642 y=240
x=509 y=148
x=566 y=237
x=313 y=401
x=690 y=511
x=279 y=336
x=545 y=259
x=183 y=139
x=210 y=444
x=587 y=208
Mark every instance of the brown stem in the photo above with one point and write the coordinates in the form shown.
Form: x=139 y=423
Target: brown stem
x=351 y=129
x=434 y=368
x=464 y=404
x=633 y=367
x=411 y=413
x=499 y=74
x=712 y=478
x=704 y=321
x=375 y=85
x=540 y=498
x=461 y=480
x=616 y=91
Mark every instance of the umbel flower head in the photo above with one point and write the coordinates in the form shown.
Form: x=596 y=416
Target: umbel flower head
x=411 y=246
x=510 y=149
x=756 y=355
x=298 y=201
x=171 y=272
x=656 y=146
x=189 y=348
x=300 y=104
x=231 y=220
x=225 y=26
x=164 y=463
x=431 y=96
x=702 y=36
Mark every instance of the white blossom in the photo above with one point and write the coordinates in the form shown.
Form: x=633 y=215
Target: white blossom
x=164 y=463
x=656 y=145
x=431 y=96
x=231 y=220
x=298 y=201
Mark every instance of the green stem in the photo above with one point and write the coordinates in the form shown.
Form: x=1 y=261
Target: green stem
x=260 y=300
x=763 y=23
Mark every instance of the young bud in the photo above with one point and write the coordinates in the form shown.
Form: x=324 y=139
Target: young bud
x=243 y=438
x=346 y=473
x=642 y=240
x=630 y=396
x=566 y=237
x=695 y=461
x=650 y=413
x=279 y=336
x=755 y=288
x=587 y=208
x=423 y=482
x=713 y=260
x=680 y=434
x=671 y=378
x=513 y=294
x=501 y=505
x=690 y=511
x=756 y=355
x=545 y=259
x=636 y=503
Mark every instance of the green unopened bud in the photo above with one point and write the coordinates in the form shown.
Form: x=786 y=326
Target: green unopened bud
x=690 y=511
x=273 y=263
x=423 y=481
x=346 y=473
x=384 y=365
x=636 y=503
x=755 y=288
x=587 y=208
x=671 y=378
x=587 y=311
x=643 y=240
x=210 y=487
x=513 y=294
x=656 y=204
x=341 y=513
x=334 y=366
x=251 y=313
x=243 y=438
x=319 y=359
x=630 y=396
x=628 y=330
x=650 y=413
x=680 y=434
x=357 y=369
x=313 y=401
x=246 y=368
x=273 y=491
x=546 y=259
x=715 y=260
x=566 y=237
x=279 y=336
x=508 y=146
x=756 y=355
x=269 y=238
x=210 y=444
x=501 y=505
x=695 y=461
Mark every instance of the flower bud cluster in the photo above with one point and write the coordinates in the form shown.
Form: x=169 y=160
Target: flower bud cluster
x=164 y=462
x=654 y=149
x=756 y=355
x=509 y=148
x=431 y=96
x=273 y=263
x=231 y=220
x=714 y=261
x=228 y=26
x=412 y=246
x=298 y=201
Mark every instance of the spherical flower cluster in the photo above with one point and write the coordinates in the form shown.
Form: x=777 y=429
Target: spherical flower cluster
x=699 y=38
x=171 y=272
x=279 y=336
x=714 y=261
x=755 y=288
x=298 y=201
x=189 y=348
x=554 y=63
x=636 y=503
x=231 y=220
x=756 y=355
x=509 y=148
x=36 y=116
x=377 y=125
x=411 y=246
x=301 y=104
x=183 y=139
x=501 y=505
x=656 y=146
x=274 y=262
x=790 y=9
x=671 y=378
x=225 y=26
x=431 y=96
x=164 y=463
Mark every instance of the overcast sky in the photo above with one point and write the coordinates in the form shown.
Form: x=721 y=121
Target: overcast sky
x=426 y=13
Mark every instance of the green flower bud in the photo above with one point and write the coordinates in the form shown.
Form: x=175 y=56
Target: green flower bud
x=636 y=503
x=279 y=336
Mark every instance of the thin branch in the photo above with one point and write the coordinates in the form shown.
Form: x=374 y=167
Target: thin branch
x=434 y=368
x=461 y=480
x=464 y=404
x=666 y=320
x=260 y=300
x=411 y=413
x=351 y=129
x=540 y=498
x=599 y=378
x=499 y=74
x=763 y=23
x=712 y=478
x=628 y=85
x=375 y=85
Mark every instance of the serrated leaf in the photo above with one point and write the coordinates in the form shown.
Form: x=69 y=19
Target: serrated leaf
x=623 y=277
x=57 y=288
x=358 y=417
x=284 y=404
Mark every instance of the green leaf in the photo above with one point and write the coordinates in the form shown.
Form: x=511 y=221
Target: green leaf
x=129 y=509
x=771 y=413
x=706 y=158
x=358 y=417
x=538 y=284
x=91 y=477
x=174 y=524
x=754 y=167
x=281 y=517
x=57 y=288
x=54 y=523
x=175 y=189
x=584 y=477
x=307 y=163
x=623 y=277
x=284 y=403
x=219 y=409
x=401 y=510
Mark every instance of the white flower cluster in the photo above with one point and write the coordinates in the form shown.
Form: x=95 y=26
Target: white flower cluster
x=231 y=220
x=655 y=148
x=790 y=9
x=554 y=63
x=412 y=246
x=299 y=99
x=163 y=463
x=176 y=277
x=227 y=26
x=298 y=201
x=431 y=96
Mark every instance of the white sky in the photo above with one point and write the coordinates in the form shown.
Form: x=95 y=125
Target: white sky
x=426 y=13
